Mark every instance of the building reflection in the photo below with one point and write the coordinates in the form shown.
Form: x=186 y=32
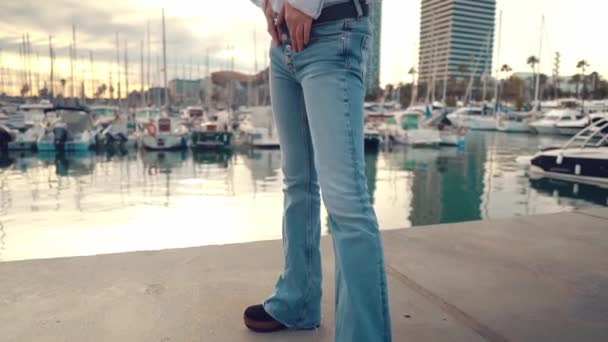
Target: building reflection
x=447 y=184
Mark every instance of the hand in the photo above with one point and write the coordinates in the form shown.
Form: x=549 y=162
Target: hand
x=298 y=23
x=272 y=28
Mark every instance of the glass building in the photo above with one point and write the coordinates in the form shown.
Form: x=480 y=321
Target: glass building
x=456 y=38
x=373 y=64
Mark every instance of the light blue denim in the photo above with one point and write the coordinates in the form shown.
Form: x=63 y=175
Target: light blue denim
x=317 y=100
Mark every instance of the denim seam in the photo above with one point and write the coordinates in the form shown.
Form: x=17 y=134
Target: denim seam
x=309 y=229
x=361 y=189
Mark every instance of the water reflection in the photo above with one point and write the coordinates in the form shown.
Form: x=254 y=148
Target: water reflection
x=572 y=194
x=120 y=200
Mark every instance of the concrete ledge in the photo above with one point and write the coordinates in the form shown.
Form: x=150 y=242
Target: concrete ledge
x=540 y=278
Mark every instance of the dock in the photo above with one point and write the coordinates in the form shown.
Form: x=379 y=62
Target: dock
x=537 y=278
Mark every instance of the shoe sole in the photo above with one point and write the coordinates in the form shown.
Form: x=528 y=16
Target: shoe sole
x=263 y=327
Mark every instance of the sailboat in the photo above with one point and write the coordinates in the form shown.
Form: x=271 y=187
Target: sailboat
x=161 y=131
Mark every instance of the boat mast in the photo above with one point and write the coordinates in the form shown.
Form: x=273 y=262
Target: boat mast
x=166 y=91
x=73 y=60
x=208 y=83
x=148 y=66
x=118 y=68
x=52 y=57
x=1 y=74
x=29 y=63
x=126 y=75
x=540 y=51
x=498 y=63
x=142 y=80
x=93 y=90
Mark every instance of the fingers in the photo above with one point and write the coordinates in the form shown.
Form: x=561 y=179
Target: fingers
x=299 y=42
x=272 y=30
x=307 y=28
x=281 y=18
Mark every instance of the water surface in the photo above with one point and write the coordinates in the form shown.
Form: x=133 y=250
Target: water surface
x=106 y=203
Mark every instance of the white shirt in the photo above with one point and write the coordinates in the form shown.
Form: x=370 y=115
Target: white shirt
x=312 y=8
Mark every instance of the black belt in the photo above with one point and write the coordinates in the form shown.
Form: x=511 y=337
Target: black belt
x=341 y=11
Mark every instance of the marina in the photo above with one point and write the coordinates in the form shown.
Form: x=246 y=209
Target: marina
x=59 y=205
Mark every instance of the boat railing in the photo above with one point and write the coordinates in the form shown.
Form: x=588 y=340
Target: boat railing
x=594 y=135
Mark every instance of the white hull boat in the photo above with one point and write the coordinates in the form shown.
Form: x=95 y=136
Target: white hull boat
x=549 y=123
x=584 y=158
x=474 y=118
x=164 y=134
x=72 y=130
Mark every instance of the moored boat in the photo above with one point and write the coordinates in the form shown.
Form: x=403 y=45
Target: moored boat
x=584 y=158
x=71 y=130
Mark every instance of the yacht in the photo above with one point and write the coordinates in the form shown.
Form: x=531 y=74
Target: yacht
x=71 y=129
x=257 y=128
x=103 y=115
x=584 y=158
x=515 y=122
x=548 y=124
x=571 y=128
x=35 y=112
x=191 y=114
x=211 y=131
x=409 y=130
x=162 y=132
x=474 y=118
x=121 y=131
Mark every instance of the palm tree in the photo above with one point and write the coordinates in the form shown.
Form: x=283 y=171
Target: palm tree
x=532 y=61
x=62 y=82
x=505 y=68
x=582 y=64
x=413 y=72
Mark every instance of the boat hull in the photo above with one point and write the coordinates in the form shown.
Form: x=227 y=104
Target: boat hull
x=587 y=166
x=71 y=146
x=476 y=123
x=165 y=142
x=569 y=131
x=211 y=140
x=552 y=130
x=22 y=146
x=513 y=127
x=423 y=138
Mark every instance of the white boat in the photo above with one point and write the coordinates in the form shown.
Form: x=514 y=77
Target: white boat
x=548 y=124
x=571 y=128
x=191 y=114
x=584 y=158
x=35 y=112
x=474 y=118
x=164 y=133
x=409 y=130
x=257 y=128
x=213 y=131
x=103 y=115
x=72 y=129
x=16 y=134
x=515 y=122
x=121 y=132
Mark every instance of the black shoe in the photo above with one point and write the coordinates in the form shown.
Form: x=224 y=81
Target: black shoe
x=258 y=320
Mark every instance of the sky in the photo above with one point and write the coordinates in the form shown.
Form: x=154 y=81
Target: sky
x=226 y=30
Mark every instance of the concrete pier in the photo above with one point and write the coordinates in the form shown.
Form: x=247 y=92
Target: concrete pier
x=542 y=278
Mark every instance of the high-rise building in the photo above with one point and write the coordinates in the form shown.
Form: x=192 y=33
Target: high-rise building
x=456 y=38
x=373 y=64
